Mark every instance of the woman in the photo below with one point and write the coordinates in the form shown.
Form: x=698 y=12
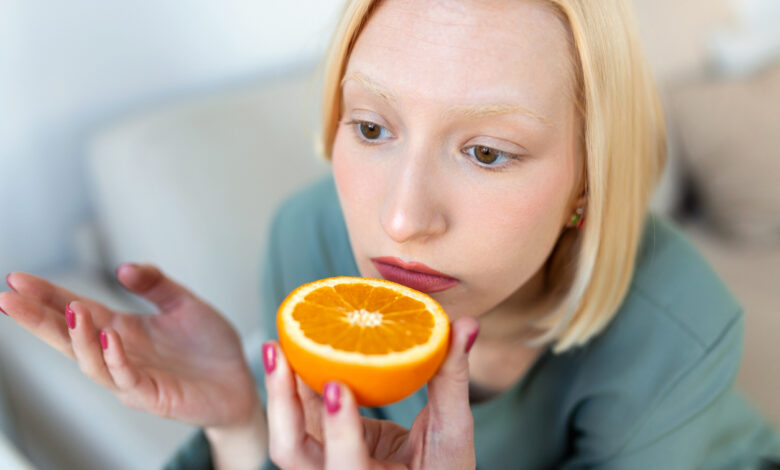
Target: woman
x=511 y=146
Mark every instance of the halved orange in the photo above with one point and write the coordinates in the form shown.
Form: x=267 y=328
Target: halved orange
x=382 y=339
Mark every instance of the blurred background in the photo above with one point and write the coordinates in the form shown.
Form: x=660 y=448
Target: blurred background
x=167 y=132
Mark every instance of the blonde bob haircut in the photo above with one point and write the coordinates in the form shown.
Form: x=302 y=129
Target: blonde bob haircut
x=624 y=143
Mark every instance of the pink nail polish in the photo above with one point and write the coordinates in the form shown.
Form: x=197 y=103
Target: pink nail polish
x=70 y=317
x=8 y=281
x=269 y=358
x=332 y=396
x=1 y=310
x=104 y=340
x=472 y=338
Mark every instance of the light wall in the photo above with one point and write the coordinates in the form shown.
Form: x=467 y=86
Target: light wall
x=68 y=67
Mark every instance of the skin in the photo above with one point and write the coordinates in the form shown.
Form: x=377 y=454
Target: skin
x=415 y=193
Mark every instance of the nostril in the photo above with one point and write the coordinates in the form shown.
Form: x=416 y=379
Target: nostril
x=8 y=281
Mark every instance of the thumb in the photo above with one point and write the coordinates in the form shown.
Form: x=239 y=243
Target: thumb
x=150 y=283
x=448 y=390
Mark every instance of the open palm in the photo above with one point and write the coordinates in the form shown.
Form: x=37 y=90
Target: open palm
x=184 y=363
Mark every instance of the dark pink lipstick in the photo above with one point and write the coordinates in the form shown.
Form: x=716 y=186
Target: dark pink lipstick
x=415 y=275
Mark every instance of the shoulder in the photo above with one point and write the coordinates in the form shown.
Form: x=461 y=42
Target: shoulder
x=308 y=236
x=312 y=207
x=676 y=300
x=672 y=275
x=672 y=349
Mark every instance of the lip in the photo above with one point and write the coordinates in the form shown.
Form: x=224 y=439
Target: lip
x=415 y=275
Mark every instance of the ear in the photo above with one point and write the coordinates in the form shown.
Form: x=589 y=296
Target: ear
x=579 y=208
x=582 y=201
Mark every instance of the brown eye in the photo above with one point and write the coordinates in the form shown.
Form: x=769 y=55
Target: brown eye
x=370 y=130
x=486 y=155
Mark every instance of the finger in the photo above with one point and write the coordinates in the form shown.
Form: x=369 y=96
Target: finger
x=40 y=320
x=40 y=289
x=312 y=409
x=387 y=441
x=135 y=389
x=126 y=377
x=51 y=295
x=448 y=390
x=289 y=445
x=150 y=283
x=85 y=340
x=345 y=446
x=383 y=438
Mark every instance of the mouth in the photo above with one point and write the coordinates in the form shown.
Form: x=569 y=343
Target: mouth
x=415 y=275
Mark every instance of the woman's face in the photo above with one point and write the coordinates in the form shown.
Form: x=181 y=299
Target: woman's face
x=458 y=147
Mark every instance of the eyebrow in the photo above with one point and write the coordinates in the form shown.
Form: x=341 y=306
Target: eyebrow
x=473 y=111
x=484 y=110
x=375 y=88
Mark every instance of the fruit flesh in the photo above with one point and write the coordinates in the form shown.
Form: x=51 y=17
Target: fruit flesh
x=381 y=343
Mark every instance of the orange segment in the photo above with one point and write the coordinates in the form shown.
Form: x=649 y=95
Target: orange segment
x=382 y=339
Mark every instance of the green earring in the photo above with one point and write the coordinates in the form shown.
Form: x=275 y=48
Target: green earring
x=578 y=218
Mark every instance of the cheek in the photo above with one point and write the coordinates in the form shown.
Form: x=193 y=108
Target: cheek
x=358 y=184
x=517 y=230
x=345 y=172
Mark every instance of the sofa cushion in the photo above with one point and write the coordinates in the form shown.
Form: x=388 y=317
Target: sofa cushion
x=728 y=133
x=191 y=186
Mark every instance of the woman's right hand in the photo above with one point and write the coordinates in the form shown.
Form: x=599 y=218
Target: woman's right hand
x=183 y=363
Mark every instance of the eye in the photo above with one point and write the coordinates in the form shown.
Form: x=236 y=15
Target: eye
x=371 y=131
x=488 y=156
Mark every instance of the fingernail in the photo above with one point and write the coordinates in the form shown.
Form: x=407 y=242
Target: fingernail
x=129 y=265
x=472 y=338
x=70 y=317
x=332 y=395
x=8 y=281
x=104 y=339
x=269 y=358
x=1 y=310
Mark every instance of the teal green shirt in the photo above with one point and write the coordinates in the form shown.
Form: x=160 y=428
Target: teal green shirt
x=653 y=391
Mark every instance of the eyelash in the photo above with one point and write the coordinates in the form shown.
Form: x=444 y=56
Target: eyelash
x=492 y=167
x=355 y=125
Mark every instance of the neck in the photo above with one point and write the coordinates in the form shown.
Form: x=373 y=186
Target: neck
x=511 y=321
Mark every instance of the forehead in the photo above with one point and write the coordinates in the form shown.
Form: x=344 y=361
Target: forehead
x=464 y=51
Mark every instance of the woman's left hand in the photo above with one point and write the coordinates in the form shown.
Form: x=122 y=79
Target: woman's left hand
x=304 y=434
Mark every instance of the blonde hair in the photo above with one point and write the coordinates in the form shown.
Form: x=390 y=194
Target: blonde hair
x=624 y=143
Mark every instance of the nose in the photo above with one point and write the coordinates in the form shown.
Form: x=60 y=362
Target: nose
x=412 y=208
